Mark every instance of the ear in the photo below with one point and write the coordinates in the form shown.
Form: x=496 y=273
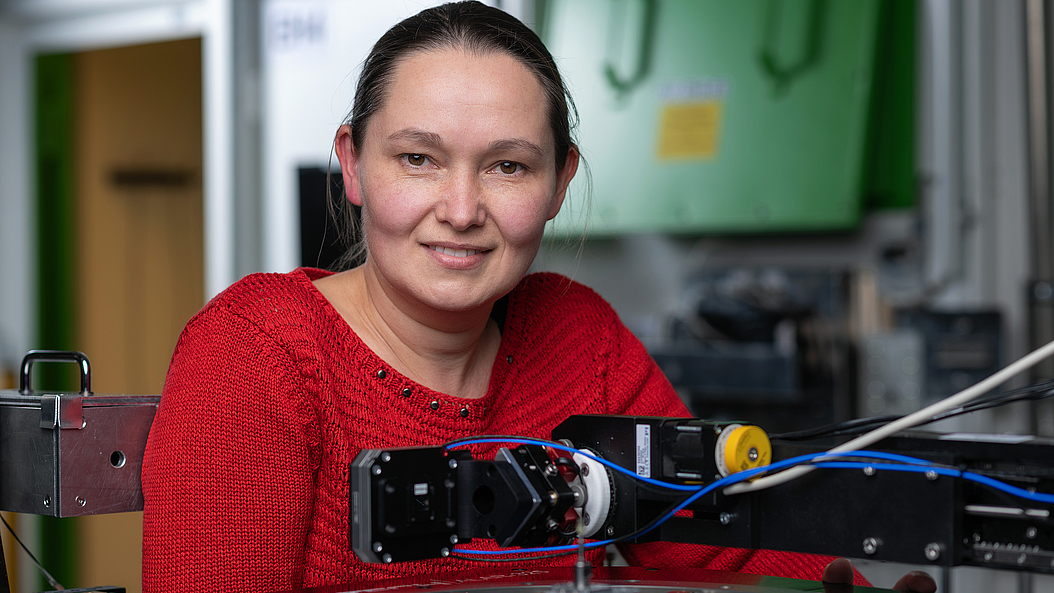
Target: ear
x=349 y=161
x=563 y=179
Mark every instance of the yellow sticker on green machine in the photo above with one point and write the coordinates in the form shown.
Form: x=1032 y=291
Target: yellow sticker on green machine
x=690 y=130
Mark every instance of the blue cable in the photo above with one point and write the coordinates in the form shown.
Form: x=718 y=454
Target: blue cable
x=904 y=464
x=987 y=481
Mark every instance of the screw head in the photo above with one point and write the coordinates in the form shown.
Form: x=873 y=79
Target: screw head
x=80 y=501
x=452 y=463
x=610 y=531
x=387 y=558
x=47 y=501
x=453 y=538
x=869 y=471
x=376 y=470
x=725 y=518
x=752 y=454
x=871 y=546
x=584 y=469
x=932 y=551
x=386 y=457
x=444 y=552
x=1031 y=533
x=378 y=547
x=931 y=475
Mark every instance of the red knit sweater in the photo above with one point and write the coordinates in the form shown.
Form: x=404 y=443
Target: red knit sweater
x=270 y=395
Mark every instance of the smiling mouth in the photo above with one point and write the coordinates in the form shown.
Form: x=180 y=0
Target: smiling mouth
x=454 y=252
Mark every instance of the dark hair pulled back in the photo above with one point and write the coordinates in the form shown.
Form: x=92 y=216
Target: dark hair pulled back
x=470 y=26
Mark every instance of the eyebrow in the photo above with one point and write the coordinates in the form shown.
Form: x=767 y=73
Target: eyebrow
x=433 y=139
x=416 y=135
x=517 y=144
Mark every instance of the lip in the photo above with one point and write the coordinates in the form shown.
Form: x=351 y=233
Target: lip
x=456 y=256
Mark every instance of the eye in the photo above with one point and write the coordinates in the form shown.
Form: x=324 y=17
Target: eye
x=508 y=167
x=416 y=160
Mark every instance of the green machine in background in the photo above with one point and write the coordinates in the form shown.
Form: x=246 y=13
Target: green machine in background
x=717 y=116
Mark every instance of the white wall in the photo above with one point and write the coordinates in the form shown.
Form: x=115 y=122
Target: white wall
x=17 y=265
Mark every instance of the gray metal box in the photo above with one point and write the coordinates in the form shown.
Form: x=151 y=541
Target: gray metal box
x=66 y=455
x=71 y=454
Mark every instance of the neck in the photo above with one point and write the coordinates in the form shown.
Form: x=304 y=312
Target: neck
x=450 y=352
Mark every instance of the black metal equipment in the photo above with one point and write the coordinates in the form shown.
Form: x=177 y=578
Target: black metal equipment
x=881 y=514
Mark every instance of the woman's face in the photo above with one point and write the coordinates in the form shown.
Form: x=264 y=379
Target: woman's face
x=456 y=178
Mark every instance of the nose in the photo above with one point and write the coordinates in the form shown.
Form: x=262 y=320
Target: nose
x=461 y=205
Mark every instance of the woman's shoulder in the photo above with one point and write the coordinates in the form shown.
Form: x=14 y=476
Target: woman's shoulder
x=550 y=292
x=553 y=301
x=267 y=300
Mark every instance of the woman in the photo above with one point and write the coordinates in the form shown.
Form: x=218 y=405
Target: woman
x=458 y=150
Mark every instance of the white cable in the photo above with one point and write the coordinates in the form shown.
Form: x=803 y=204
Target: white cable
x=909 y=421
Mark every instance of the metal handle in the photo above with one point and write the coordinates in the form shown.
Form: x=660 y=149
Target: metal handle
x=783 y=74
x=54 y=356
x=623 y=85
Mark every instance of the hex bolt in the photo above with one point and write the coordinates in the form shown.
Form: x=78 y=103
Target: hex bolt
x=932 y=551
x=1031 y=533
x=453 y=538
x=931 y=475
x=387 y=558
x=869 y=471
x=80 y=501
x=725 y=518
x=386 y=457
x=452 y=463
x=871 y=546
x=584 y=469
x=378 y=547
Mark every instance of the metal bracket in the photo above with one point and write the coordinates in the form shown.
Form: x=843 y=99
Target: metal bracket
x=62 y=411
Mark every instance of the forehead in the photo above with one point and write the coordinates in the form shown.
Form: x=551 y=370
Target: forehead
x=455 y=89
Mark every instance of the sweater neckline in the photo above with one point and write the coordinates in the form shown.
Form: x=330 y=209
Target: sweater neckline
x=503 y=361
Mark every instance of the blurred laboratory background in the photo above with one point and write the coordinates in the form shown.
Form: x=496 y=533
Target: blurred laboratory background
x=808 y=210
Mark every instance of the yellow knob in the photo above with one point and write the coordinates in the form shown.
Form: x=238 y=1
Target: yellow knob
x=744 y=447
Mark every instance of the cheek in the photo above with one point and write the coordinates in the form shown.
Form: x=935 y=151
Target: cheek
x=386 y=211
x=523 y=220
